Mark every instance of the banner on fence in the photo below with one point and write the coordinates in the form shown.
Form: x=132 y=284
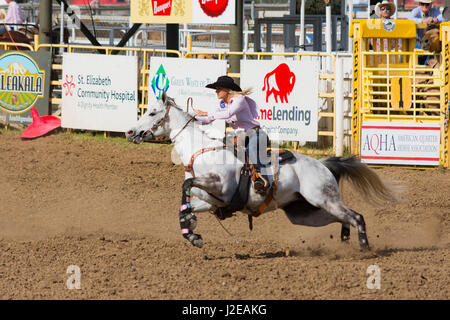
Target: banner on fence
x=184 y=78
x=96 y=96
x=179 y=11
x=24 y=83
x=400 y=143
x=287 y=94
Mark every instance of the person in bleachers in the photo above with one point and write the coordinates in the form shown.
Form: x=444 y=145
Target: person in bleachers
x=425 y=13
x=385 y=9
x=14 y=15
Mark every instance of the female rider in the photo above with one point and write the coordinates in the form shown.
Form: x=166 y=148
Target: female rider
x=240 y=111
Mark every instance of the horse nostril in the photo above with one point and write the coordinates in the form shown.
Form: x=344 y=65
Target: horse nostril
x=129 y=132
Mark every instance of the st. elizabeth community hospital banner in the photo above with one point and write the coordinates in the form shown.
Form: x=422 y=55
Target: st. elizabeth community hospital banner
x=96 y=96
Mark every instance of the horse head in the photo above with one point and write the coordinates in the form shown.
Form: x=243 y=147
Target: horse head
x=153 y=123
x=430 y=40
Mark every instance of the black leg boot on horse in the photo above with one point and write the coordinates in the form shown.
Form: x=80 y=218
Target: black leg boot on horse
x=188 y=221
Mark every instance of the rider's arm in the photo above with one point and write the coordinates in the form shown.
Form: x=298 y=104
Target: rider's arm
x=439 y=15
x=204 y=120
x=237 y=105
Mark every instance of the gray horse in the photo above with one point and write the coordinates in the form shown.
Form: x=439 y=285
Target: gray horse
x=307 y=189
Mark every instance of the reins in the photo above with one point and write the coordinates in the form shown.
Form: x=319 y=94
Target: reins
x=184 y=127
x=189 y=168
x=166 y=115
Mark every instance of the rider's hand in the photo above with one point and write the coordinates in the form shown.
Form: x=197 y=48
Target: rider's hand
x=200 y=113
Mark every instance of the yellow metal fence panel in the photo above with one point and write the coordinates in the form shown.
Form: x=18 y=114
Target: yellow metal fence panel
x=389 y=84
x=143 y=66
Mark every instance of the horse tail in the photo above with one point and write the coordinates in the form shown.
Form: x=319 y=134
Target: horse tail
x=363 y=178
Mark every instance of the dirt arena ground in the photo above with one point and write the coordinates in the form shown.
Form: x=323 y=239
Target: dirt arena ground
x=111 y=208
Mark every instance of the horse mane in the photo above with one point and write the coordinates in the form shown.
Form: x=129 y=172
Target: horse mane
x=171 y=102
x=431 y=27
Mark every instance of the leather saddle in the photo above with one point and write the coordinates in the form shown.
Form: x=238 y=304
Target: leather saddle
x=240 y=196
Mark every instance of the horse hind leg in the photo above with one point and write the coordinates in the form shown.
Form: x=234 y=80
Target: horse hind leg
x=345 y=232
x=361 y=228
x=349 y=217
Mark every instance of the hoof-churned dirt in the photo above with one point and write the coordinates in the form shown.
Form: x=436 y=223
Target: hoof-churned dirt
x=111 y=209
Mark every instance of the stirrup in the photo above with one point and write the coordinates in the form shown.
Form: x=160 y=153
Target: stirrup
x=260 y=184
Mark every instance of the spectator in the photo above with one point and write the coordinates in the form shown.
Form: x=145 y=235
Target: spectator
x=425 y=13
x=385 y=9
x=14 y=15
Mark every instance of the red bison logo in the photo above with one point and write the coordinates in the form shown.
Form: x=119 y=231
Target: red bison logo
x=213 y=8
x=279 y=82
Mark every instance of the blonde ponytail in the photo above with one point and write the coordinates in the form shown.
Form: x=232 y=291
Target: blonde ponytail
x=245 y=92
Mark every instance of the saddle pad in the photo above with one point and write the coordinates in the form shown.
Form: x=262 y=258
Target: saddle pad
x=283 y=156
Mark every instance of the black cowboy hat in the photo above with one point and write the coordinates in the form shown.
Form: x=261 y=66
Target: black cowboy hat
x=224 y=82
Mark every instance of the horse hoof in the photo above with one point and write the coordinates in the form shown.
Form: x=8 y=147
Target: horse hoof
x=198 y=243
x=196 y=240
x=192 y=221
x=364 y=247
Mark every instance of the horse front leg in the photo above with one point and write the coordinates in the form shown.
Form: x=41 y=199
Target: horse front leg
x=188 y=221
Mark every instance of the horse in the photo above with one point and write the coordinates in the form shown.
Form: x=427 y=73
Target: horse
x=15 y=37
x=307 y=189
x=430 y=40
x=25 y=34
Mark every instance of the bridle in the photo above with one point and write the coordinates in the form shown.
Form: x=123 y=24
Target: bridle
x=161 y=122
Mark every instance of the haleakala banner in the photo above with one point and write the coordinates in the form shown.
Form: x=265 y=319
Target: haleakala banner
x=24 y=83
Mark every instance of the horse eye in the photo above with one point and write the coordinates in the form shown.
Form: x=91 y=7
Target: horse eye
x=152 y=114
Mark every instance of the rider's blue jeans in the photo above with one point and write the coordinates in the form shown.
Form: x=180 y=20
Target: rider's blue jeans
x=256 y=143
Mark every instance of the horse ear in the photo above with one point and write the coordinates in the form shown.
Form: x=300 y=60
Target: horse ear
x=431 y=27
x=164 y=97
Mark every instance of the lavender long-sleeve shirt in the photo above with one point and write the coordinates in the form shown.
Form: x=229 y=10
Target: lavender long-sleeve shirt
x=14 y=13
x=240 y=113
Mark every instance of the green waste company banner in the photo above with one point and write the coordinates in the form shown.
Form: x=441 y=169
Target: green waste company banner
x=24 y=83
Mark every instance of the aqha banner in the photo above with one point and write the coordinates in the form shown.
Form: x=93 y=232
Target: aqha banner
x=96 y=96
x=180 y=11
x=182 y=79
x=287 y=95
x=400 y=143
